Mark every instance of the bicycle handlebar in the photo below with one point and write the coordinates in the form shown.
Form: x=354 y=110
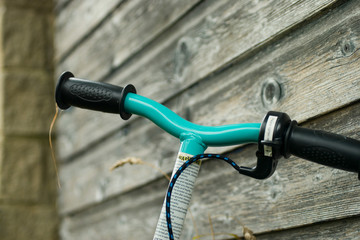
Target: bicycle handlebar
x=277 y=136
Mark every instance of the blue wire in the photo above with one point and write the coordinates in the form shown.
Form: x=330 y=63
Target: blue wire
x=177 y=175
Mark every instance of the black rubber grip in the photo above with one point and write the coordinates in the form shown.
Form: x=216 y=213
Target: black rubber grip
x=71 y=91
x=325 y=148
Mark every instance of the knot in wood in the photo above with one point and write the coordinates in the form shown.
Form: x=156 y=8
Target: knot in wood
x=183 y=54
x=347 y=47
x=270 y=92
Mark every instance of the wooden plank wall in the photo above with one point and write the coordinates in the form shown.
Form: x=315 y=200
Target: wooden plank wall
x=208 y=60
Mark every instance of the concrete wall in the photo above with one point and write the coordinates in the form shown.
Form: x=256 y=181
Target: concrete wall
x=27 y=178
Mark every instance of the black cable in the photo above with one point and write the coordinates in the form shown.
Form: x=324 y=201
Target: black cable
x=177 y=175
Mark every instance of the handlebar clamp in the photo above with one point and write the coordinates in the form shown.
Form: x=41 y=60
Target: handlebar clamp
x=270 y=145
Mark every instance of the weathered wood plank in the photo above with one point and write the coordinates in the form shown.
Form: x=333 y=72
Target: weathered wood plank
x=70 y=27
x=299 y=193
x=236 y=100
x=128 y=29
x=88 y=179
x=186 y=53
x=112 y=220
x=340 y=229
x=230 y=29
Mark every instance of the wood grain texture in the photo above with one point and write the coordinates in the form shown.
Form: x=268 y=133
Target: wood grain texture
x=317 y=66
x=70 y=27
x=346 y=229
x=129 y=28
x=134 y=218
x=316 y=47
x=299 y=193
x=210 y=35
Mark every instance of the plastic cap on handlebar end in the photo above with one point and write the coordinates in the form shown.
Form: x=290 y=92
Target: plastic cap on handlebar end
x=58 y=98
x=127 y=89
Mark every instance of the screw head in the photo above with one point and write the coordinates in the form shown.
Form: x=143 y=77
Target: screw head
x=270 y=92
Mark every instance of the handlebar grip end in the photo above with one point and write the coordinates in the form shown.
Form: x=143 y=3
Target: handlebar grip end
x=58 y=97
x=98 y=96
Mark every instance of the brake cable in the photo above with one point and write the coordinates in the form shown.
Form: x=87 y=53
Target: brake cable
x=177 y=175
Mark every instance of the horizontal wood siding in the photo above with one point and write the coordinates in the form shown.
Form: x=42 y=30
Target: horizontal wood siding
x=208 y=61
x=77 y=20
x=162 y=70
x=300 y=193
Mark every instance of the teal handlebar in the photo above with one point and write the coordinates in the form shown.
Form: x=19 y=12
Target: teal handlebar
x=71 y=91
x=175 y=125
x=276 y=136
